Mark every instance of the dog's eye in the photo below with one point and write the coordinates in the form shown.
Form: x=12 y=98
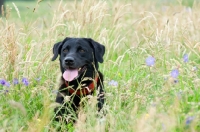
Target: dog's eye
x=81 y=50
x=65 y=50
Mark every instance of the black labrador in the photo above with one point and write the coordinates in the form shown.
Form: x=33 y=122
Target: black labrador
x=79 y=59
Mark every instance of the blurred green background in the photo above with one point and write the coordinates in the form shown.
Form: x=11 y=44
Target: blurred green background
x=21 y=4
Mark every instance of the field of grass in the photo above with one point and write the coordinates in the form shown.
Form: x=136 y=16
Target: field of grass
x=151 y=65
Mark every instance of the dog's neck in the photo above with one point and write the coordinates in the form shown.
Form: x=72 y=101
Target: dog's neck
x=85 y=87
x=86 y=80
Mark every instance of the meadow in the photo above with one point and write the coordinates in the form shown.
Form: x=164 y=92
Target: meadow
x=151 y=65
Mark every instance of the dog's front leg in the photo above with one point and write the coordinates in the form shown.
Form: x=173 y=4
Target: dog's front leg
x=101 y=92
x=59 y=111
x=100 y=98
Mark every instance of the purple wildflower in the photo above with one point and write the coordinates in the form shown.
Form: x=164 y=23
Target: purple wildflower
x=189 y=120
x=38 y=79
x=150 y=61
x=6 y=91
x=7 y=84
x=15 y=81
x=174 y=73
x=113 y=83
x=185 y=58
x=3 y=82
x=175 y=81
x=25 y=81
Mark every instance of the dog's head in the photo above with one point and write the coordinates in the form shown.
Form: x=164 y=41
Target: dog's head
x=78 y=56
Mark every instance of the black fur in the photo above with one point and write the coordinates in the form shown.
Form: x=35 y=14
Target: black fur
x=78 y=52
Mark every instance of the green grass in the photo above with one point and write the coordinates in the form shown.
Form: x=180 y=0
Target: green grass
x=146 y=99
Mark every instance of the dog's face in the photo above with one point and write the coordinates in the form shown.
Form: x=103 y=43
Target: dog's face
x=78 y=56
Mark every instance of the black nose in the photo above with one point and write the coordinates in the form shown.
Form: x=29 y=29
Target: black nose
x=69 y=61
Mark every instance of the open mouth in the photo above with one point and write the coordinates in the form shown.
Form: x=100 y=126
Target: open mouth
x=73 y=73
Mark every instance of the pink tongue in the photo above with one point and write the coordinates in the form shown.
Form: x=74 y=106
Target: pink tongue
x=70 y=74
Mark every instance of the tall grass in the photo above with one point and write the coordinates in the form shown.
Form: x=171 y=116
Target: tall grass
x=142 y=98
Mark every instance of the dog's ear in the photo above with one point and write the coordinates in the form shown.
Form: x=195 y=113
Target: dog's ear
x=57 y=48
x=99 y=50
